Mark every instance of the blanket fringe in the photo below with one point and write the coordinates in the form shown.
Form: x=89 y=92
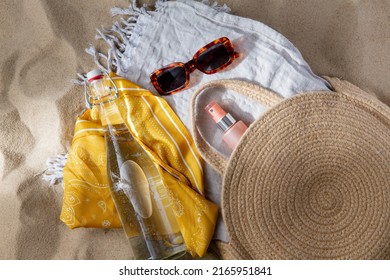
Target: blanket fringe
x=224 y=8
x=119 y=36
x=54 y=174
x=81 y=79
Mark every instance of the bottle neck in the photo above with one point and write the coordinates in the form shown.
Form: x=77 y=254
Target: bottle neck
x=105 y=101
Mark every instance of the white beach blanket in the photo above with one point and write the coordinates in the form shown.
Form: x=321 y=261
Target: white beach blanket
x=143 y=41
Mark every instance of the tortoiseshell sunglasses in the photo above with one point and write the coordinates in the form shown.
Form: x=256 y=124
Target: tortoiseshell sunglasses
x=212 y=58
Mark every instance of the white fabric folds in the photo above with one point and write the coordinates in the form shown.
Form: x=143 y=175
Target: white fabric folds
x=142 y=41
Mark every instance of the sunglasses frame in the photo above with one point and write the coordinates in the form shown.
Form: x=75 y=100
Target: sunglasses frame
x=191 y=65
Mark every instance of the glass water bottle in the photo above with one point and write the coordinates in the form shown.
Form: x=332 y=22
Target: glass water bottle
x=135 y=183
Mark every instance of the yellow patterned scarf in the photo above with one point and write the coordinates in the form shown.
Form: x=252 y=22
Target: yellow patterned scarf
x=87 y=201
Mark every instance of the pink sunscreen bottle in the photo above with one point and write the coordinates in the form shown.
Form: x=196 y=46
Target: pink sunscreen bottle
x=233 y=130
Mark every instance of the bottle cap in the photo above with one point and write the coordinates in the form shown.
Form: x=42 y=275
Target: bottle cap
x=95 y=74
x=224 y=120
x=215 y=111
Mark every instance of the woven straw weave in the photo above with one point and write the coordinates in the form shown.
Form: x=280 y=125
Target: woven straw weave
x=310 y=179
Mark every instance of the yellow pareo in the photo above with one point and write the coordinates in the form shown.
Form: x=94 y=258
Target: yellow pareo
x=87 y=200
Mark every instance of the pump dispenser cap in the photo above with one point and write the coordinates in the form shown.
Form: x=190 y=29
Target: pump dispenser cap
x=216 y=112
x=224 y=120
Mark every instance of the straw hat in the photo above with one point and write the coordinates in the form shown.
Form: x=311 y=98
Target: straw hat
x=311 y=180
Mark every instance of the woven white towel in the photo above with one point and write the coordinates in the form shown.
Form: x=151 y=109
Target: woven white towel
x=143 y=41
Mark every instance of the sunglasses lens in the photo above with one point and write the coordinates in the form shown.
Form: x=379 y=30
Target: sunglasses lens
x=213 y=58
x=172 y=79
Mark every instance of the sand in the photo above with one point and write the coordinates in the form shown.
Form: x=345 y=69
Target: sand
x=42 y=45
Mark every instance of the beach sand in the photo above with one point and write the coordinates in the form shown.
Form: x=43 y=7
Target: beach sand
x=42 y=44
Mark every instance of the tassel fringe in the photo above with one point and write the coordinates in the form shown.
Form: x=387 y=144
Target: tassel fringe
x=54 y=173
x=119 y=36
